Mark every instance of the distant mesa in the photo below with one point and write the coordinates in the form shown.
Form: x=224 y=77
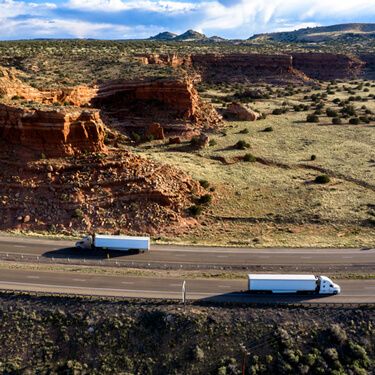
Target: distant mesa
x=321 y=33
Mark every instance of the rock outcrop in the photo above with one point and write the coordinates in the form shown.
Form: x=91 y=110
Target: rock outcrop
x=327 y=66
x=238 y=112
x=173 y=60
x=52 y=132
x=110 y=193
x=174 y=104
x=241 y=67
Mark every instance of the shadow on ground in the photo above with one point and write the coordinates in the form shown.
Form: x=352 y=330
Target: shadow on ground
x=74 y=253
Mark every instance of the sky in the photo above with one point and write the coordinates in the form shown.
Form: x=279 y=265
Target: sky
x=128 y=19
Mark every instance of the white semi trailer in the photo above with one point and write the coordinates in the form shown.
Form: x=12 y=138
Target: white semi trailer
x=307 y=284
x=109 y=242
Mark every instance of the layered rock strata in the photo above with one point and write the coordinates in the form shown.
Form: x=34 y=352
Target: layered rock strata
x=327 y=66
x=52 y=132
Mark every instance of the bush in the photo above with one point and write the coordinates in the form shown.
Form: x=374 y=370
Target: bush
x=136 y=137
x=322 y=179
x=331 y=112
x=78 y=213
x=205 y=199
x=195 y=210
x=313 y=157
x=204 y=183
x=354 y=121
x=244 y=131
x=268 y=129
x=241 y=145
x=336 y=121
x=312 y=118
x=249 y=158
x=212 y=142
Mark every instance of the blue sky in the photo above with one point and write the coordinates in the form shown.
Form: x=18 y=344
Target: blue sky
x=124 y=19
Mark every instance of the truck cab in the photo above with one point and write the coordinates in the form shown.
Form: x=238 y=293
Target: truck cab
x=85 y=243
x=327 y=286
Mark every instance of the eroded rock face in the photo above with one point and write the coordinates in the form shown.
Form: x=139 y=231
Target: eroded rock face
x=173 y=60
x=243 y=67
x=111 y=193
x=326 y=66
x=55 y=132
x=238 y=112
x=174 y=104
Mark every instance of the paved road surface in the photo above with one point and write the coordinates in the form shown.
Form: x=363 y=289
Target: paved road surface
x=204 y=256
x=353 y=291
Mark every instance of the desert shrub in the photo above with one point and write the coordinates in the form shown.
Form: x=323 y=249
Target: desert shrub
x=354 y=121
x=278 y=111
x=364 y=119
x=205 y=199
x=268 y=129
x=336 y=121
x=136 y=137
x=313 y=157
x=204 y=183
x=78 y=213
x=244 y=131
x=241 y=145
x=336 y=100
x=195 y=210
x=312 y=118
x=322 y=179
x=349 y=110
x=331 y=112
x=249 y=158
x=212 y=142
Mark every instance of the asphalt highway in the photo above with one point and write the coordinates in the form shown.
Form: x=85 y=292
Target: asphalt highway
x=181 y=255
x=353 y=291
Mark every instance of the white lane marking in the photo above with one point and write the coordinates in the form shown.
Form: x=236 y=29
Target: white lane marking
x=224 y=286
x=306 y=257
x=79 y=279
x=262 y=256
x=19 y=246
x=33 y=277
x=180 y=255
x=369 y=287
x=222 y=256
x=348 y=257
x=180 y=285
x=127 y=282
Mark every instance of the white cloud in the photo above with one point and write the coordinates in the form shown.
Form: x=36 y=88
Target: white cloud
x=231 y=18
x=170 y=7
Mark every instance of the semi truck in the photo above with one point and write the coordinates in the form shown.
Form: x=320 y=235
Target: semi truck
x=300 y=284
x=112 y=242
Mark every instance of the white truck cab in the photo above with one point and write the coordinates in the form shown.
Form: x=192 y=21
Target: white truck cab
x=85 y=243
x=327 y=286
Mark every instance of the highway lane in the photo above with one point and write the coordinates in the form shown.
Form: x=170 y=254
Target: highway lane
x=353 y=291
x=181 y=255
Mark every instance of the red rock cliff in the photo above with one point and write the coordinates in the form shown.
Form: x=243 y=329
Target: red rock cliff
x=52 y=132
x=326 y=66
x=243 y=67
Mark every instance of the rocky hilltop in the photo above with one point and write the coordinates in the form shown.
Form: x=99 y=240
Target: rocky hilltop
x=321 y=33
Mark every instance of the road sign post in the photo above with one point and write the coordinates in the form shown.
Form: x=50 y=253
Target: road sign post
x=184 y=292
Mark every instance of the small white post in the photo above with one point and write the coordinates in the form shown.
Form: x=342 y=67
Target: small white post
x=184 y=292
